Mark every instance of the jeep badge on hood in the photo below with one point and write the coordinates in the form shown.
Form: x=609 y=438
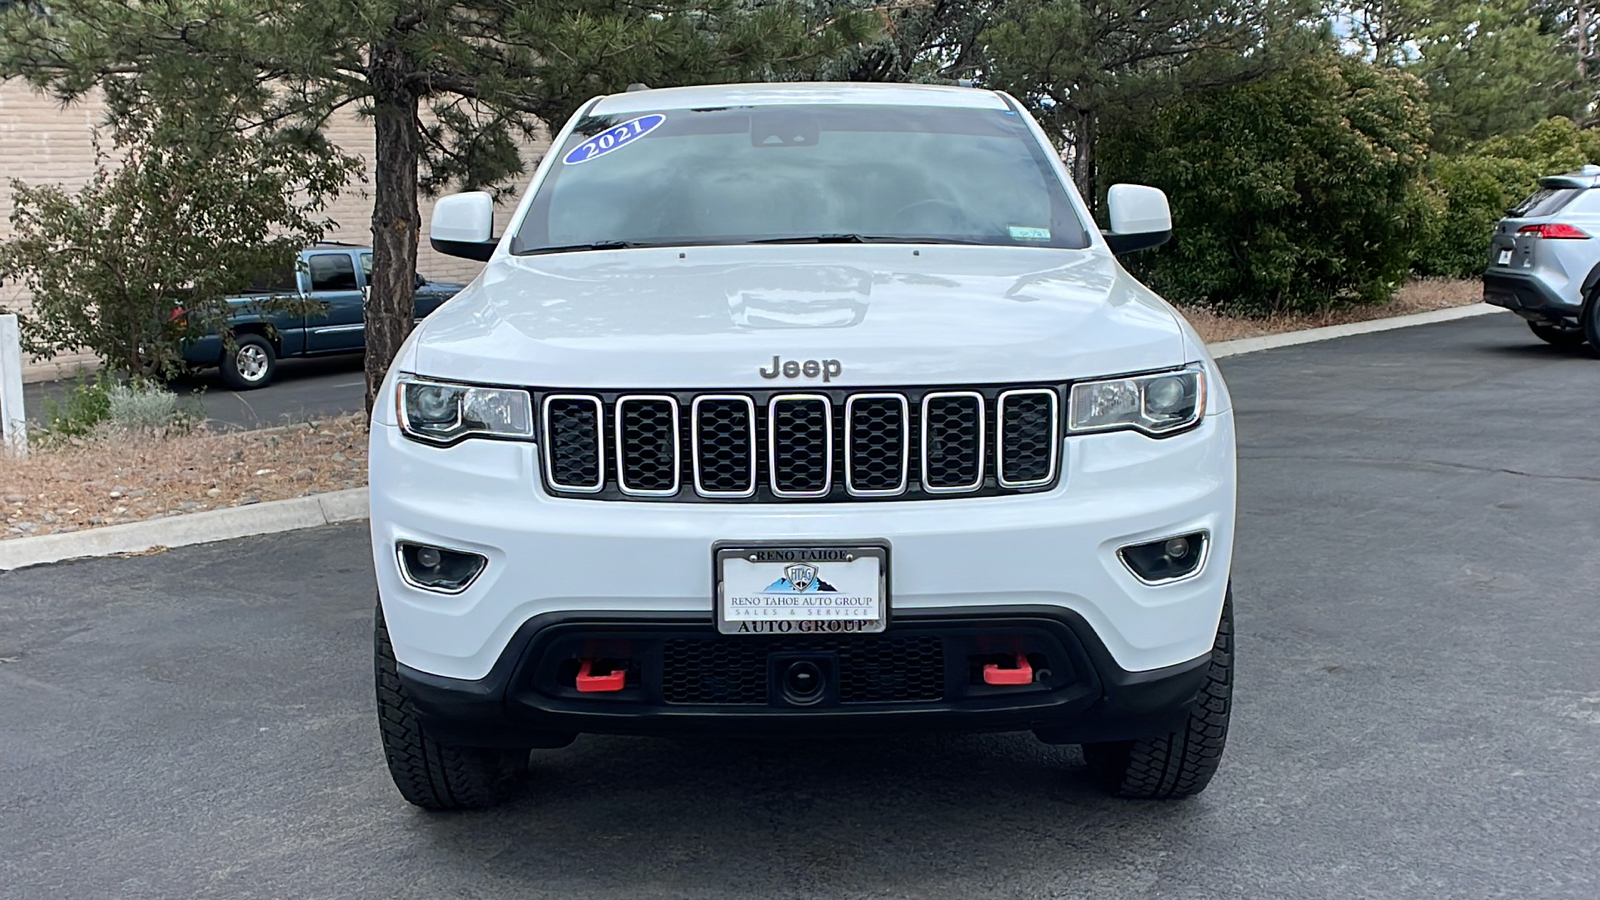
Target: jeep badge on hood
x=829 y=369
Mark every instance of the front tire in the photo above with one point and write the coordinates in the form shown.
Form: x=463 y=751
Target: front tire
x=429 y=774
x=1180 y=763
x=1556 y=335
x=250 y=364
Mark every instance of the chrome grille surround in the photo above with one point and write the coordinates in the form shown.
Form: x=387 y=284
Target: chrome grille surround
x=852 y=435
x=697 y=448
x=624 y=436
x=776 y=434
x=548 y=448
x=822 y=445
x=1053 y=438
x=976 y=482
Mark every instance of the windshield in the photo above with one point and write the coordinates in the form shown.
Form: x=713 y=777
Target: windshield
x=805 y=172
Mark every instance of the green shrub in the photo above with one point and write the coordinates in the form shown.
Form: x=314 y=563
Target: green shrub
x=86 y=405
x=142 y=407
x=1290 y=194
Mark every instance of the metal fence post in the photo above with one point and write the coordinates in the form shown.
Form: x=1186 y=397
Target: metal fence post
x=13 y=422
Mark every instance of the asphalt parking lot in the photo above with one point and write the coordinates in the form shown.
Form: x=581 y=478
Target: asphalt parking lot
x=318 y=387
x=1418 y=707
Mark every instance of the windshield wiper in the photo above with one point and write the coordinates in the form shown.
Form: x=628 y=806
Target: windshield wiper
x=818 y=239
x=853 y=238
x=597 y=245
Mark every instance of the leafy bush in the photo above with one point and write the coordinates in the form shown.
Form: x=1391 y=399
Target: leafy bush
x=81 y=411
x=1290 y=194
x=184 y=222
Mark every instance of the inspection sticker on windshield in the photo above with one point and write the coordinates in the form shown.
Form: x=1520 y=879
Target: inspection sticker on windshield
x=613 y=138
x=1019 y=233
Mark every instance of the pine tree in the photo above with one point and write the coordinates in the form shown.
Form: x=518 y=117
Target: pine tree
x=486 y=72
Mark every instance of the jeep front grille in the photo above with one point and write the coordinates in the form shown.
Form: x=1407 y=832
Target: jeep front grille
x=822 y=445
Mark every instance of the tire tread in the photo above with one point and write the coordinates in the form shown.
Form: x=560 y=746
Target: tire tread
x=1182 y=762
x=429 y=774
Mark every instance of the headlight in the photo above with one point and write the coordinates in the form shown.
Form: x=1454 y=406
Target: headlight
x=441 y=413
x=1156 y=404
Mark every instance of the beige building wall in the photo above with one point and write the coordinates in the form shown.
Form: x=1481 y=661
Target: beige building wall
x=43 y=143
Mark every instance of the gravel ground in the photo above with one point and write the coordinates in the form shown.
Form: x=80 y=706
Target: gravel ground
x=127 y=478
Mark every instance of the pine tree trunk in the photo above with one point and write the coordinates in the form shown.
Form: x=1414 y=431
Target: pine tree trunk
x=390 y=309
x=1083 y=157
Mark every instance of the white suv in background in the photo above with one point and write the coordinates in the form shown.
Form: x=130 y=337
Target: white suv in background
x=802 y=409
x=1544 y=260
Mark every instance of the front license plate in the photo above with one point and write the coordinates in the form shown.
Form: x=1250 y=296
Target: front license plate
x=1505 y=258
x=802 y=589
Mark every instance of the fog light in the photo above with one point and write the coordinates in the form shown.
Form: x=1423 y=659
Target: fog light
x=1167 y=559
x=438 y=569
x=428 y=557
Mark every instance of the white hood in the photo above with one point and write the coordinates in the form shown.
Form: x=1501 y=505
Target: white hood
x=713 y=317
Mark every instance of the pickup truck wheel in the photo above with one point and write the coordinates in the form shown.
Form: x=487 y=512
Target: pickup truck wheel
x=1557 y=335
x=429 y=774
x=1180 y=763
x=251 y=363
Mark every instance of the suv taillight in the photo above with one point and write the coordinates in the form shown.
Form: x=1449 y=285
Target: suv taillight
x=1553 y=231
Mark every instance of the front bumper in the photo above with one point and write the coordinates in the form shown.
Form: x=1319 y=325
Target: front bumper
x=925 y=674
x=1528 y=297
x=1055 y=550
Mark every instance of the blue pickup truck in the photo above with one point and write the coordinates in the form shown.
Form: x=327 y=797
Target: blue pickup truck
x=333 y=275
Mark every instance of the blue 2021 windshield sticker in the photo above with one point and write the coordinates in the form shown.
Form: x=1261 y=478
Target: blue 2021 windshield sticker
x=613 y=138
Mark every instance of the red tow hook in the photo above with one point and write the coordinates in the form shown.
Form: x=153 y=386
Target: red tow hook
x=1022 y=674
x=589 y=683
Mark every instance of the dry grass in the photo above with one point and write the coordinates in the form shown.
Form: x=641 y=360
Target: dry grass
x=132 y=477
x=1418 y=296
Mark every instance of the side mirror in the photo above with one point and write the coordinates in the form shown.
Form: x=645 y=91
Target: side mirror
x=1140 y=218
x=420 y=281
x=463 y=225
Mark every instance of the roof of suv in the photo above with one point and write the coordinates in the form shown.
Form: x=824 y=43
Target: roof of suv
x=1584 y=178
x=854 y=93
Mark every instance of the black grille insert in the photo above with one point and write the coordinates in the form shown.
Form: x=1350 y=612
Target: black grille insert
x=733 y=670
x=572 y=442
x=1028 y=439
x=877 y=425
x=952 y=441
x=647 y=445
x=800 y=437
x=724 y=446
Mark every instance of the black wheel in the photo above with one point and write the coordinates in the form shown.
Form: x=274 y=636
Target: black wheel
x=1589 y=321
x=430 y=774
x=250 y=364
x=1557 y=335
x=1180 y=763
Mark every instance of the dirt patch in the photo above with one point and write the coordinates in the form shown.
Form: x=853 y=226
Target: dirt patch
x=130 y=478
x=1424 y=295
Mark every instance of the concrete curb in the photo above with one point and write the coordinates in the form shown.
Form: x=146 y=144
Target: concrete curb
x=1223 y=349
x=346 y=506
x=182 y=530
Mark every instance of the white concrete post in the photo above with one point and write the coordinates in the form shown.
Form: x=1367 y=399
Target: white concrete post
x=13 y=423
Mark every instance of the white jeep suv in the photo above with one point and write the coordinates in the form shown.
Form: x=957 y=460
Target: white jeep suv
x=802 y=408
